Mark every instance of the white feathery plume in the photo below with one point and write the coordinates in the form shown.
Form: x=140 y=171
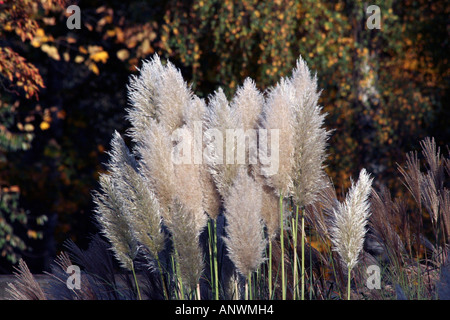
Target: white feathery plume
x=139 y=204
x=171 y=102
x=211 y=196
x=292 y=107
x=248 y=103
x=194 y=116
x=269 y=208
x=111 y=216
x=158 y=92
x=188 y=189
x=310 y=136
x=144 y=213
x=278 y=114
x=112 y=204
x=245 y=237
x=156 y=163
x=187 y=249
x=172 y=98
x=348 y=227
x=142 y=95
x=220 y=117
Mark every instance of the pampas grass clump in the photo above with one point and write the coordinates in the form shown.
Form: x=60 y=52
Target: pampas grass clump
x=191 y=225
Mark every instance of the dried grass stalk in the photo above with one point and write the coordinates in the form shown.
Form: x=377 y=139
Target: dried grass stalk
x=25 y=287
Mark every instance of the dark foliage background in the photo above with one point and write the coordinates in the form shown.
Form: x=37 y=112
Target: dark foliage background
x=63 y=92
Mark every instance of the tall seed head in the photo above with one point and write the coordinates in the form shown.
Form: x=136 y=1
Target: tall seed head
x=112 y=202
x=310 y=136
x=349 y=222
x=278 y=114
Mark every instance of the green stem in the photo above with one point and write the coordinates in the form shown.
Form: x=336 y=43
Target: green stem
x=303 y=253
x=216 y=266
x=135 y=281
x=270 y=270
x=198 y=292
x=174 y=272
x=283 y=284
x=250 y=286
x=236 y=290
x=211 y=258
x=294 y=238
x=177 y=272
x=348 y=283
x=162 y=279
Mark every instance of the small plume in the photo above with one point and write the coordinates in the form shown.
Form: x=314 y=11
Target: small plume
x=412 y=177
x=113 y=202
x=349 y=222
x=211 y=197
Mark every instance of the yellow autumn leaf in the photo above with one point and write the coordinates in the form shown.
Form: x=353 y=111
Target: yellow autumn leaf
x=32 y=234
x=35 y=43
x=79 y=59
x=123 y=54
x=82 y=50
x=51 y=51
x=66 y=56
x=40 y=32
x=101 y=56
x=44 y=125
x=111 y=33
x=29 y=127
x=93 y=67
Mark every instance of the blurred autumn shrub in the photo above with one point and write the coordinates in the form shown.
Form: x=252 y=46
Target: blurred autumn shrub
x=384 y=90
